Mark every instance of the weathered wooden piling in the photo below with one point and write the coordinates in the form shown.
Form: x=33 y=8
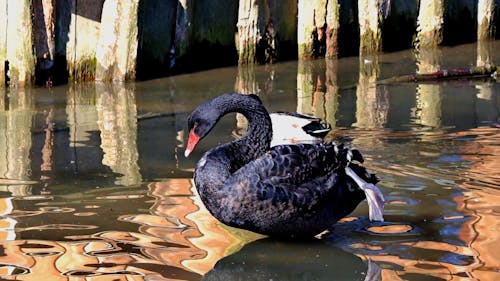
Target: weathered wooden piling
x=117 y=45
x=250 y=29
x=82 y=39
x=256 y=40
x=3 y=43
x=332 y=28
x=370 y=32
x=485 y=24
x=430 y=24
x=311 y=28
x=44 y=12
x=183 y=26
x=212 y=37
x=17 y=61
x=156 y=37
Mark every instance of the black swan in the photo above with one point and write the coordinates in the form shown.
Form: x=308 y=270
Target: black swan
x=292 y=128
x=288 y=191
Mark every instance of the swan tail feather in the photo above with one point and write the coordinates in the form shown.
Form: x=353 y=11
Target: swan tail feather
x=374 y=196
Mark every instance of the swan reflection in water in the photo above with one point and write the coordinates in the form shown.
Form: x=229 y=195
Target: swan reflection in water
x=269 y=259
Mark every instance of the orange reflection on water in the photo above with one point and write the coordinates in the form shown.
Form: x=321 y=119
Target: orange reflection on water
x=208 y=239
x=177 y=240
x=481 y=201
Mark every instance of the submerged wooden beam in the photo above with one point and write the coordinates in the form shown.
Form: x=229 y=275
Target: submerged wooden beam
x=461 y=72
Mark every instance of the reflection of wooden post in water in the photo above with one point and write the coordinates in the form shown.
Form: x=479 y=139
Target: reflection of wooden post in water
x=317 y=89
x=372 y=106
x=15 y=142
x=81 y=112
x=305 y=87
x=117 y=121
x=47 y=157
x=428 y=104
x=245 y=80
x=332 y=92
x=486 y=90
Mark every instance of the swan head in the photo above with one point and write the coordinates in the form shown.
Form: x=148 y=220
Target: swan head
x=200 y=123
x=204 y=117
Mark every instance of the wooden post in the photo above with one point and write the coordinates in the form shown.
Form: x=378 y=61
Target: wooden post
x=183 y=27
x=44 y=24
x=17 y=61
x=370 y=32
x=311 y=28
x=485 y=24
x=82 y=39
x=3 y=42
x=332 y=28
x=117 y=45
x=429 y=24
x=252 y=19
x=156 y=38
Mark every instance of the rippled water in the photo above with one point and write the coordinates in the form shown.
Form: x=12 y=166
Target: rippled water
x=93 y=184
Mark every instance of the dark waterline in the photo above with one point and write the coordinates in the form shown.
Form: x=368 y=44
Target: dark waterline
x=93 y=181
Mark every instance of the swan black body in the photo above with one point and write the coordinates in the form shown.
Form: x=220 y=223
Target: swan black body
x=288 y=191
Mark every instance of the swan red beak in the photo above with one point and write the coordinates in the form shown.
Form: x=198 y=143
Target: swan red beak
x=192 y=141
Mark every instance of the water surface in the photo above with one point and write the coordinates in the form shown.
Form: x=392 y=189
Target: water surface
x=94 y=185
